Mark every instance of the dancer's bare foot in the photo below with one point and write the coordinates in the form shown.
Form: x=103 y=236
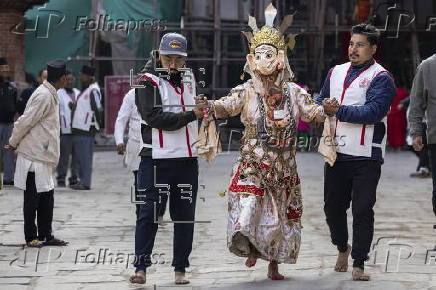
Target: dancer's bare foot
x=273 y=271
x=180 y=278
x=342 y=261
x=359 y=274
x=251 y=260
x=138 y=278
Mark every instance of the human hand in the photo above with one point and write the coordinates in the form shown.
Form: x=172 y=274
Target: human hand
x=331 y=106
x=201 y=101
x=9 y=147
x=121 y=148
x=417 y=143
x=199 y=112
x=202 y=106
x=330 y=101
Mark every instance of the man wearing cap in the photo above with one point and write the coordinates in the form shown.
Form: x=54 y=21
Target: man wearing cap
x=8 y=108
x=67 y=97
x=87 y=111
x=35 y=138
x=168 y=158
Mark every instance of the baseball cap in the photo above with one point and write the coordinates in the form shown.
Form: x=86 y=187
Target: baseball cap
x=173 y=43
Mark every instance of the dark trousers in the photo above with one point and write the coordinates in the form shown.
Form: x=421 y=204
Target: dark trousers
x=179 y=178
x=164 y=198
x=66 y=154
x=39 y=206
x=83 y=147
x=137 y=198
x=432 y=151
x=7 y=163
x=355 y=182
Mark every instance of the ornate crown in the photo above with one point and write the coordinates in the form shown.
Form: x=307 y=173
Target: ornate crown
x=268 y=34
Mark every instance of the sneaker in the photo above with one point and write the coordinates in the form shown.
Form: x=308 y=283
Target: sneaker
x=79 y=186
x=423 y=172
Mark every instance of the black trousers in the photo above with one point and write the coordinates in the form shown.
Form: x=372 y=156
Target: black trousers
x=135 y=175
x=164 y=198
x=39 y=206
x=432 y=151
x=352 y=182
x=179 y=180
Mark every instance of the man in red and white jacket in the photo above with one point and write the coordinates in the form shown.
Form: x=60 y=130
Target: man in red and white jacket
x=169 y=129
x=87 y=118
x=359 y=94
x=67 y=97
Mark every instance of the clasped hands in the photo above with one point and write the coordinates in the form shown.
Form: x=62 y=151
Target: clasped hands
x=331 y=106
x=202 y=104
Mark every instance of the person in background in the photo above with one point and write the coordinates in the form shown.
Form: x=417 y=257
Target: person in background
x=67 y=98
x=87 y=118
x=363 y=10
x=423 y=105
x=8 y=109
x=26 y=93
x=397 y=122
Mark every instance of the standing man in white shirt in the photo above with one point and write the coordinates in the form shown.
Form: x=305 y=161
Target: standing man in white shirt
x=35 y=137
x=128 y=113
x=87 y=118
x=67 y=99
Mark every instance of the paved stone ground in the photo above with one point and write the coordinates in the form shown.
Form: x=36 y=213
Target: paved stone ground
x=103 y=218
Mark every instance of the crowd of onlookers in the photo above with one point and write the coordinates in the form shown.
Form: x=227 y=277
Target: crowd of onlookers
x=80 y=116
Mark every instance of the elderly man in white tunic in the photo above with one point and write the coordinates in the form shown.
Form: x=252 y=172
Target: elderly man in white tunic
x=35 y=138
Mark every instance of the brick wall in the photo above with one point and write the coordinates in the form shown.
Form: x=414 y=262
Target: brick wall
x=12 y=45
